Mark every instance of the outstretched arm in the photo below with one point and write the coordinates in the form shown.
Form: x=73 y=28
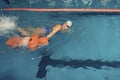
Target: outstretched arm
x=38 y=30
x=55 y=30
x=22 y=31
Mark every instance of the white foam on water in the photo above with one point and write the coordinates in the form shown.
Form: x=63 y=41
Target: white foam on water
x=7 y=24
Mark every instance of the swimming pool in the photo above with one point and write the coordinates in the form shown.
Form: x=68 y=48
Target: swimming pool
x=90 y=52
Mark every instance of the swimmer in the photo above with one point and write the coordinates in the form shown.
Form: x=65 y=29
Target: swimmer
x=35 y=41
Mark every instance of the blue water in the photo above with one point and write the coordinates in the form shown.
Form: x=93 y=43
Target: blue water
x=90 y=52
x=62 y=3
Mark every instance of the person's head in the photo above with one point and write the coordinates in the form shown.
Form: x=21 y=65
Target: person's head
x=67 y=25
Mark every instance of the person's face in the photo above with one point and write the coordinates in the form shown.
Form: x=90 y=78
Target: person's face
x=65 y=26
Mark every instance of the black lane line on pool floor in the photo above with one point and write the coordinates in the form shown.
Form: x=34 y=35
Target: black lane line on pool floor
x=98 y=64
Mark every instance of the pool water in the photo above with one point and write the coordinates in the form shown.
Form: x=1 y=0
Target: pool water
x=89 y=52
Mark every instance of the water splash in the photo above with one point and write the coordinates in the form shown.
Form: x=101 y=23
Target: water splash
x=7 y=24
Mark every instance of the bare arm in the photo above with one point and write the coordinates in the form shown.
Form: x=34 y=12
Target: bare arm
x=55 y=29
x=22 y=31
x=38 y=30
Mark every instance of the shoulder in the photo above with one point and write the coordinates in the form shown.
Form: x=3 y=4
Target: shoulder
x=57 y=26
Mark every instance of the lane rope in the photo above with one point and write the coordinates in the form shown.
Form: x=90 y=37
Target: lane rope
x=63 y=9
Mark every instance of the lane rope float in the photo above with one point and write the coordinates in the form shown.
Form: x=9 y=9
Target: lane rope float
x=63 y=9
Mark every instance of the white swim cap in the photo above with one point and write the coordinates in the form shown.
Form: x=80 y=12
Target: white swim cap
x=69 y=23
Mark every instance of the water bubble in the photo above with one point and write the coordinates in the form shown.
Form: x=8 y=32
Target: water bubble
x=7 y=24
